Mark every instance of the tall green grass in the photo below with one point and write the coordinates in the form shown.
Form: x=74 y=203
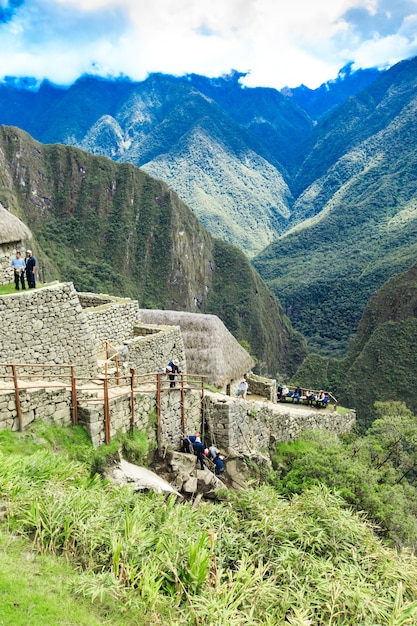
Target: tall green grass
x=256 y=558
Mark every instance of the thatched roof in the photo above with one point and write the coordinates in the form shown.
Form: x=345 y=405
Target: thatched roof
x=210 y=349
x=12 y=230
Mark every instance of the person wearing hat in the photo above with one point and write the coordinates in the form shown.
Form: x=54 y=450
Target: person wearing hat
x=173 y=370
x=30 y=269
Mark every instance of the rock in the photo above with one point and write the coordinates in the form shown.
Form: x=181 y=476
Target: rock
x=181 y=462
x=190 y=486
x=140 y=478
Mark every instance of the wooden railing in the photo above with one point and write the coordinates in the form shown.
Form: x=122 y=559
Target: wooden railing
x=292 y=388
x=105 y=388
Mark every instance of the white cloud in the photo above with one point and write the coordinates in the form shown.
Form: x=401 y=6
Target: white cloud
x=279 y=43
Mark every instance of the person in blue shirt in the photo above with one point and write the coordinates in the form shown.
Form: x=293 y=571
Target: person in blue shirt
x=19 y=266
x=219 y=465
x=30 y=269
x=188 y=442
x=296 y=395
x=198 y=447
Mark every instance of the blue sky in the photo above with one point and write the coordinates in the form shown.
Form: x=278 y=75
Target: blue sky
x=278 y=42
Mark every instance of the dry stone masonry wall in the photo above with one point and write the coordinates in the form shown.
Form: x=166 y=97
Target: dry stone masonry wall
x=46 y=325
x=260 y=386
x=7 y=253
x=36 y=404
x=153 y=347
x=245 y=426
x=110 y=319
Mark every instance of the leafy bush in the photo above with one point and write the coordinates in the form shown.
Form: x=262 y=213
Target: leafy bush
x=375 y=473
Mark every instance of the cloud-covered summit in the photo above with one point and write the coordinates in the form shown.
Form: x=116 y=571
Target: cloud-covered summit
x=276 y=44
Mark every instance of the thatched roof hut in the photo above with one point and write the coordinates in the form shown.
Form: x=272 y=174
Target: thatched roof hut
x=12 y=230
x=210 y=349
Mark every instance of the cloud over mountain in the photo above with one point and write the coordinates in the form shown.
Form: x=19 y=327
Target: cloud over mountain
x=277 y=44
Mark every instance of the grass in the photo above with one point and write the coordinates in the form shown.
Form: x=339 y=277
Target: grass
x=105 y=555
x=36 y=589
x=10 y=288
x=341 y=410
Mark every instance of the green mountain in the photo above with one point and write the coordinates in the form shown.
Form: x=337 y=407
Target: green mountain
x=220 y=164
x=355 y=220
x=112 y=228
x=381 y=362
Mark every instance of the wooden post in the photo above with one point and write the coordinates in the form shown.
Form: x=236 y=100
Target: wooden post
x=158 y=410
x=132 y=398
x=203 y=421
x=106 y=408
x=116 y=360
x=182 y=404
x=74 y=408
x=107 y=350
x=18 y=405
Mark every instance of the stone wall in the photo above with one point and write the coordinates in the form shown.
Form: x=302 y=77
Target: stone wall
x=36 y=404
x=46 y=325
x=109 y=318
x=91 y=416
x=244 y=426
x=152 y=351
x=265 y=387
x=7 y=253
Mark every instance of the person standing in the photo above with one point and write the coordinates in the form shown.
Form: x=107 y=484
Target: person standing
x=18 y=264
x=30 y=269
x=172 y=371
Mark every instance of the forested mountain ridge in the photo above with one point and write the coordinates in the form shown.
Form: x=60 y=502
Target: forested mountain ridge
x=257 y=165
x=224 y=172
x=112 y=228
x=224 y=148
x=357 y=220
x=381 y=361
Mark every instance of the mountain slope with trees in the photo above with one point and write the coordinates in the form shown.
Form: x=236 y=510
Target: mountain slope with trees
x=227 y=150
x=381 y=361
x=357 y=222
x=166 y=126
x=112 y=228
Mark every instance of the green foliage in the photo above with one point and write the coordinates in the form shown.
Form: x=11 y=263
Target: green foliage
x=152 y=561
x=136 y=447
x=133 y=446
x=247 y=308
x=376 y=473
x=37 y=589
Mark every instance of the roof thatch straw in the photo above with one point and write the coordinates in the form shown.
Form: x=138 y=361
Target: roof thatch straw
x=210 y=349
x=12 y=230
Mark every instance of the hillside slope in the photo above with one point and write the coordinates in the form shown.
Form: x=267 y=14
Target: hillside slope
x=359 y=216
x=381 y=361
x=112 y=228
x=220 y=165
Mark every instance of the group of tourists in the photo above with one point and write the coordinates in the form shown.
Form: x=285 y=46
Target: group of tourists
x=193 y=445
x=24 y=268
x=319 y=400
